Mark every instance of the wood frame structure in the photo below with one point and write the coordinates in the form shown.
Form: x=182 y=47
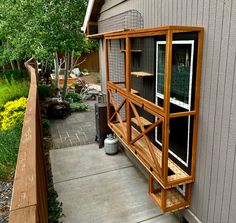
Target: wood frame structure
x=155 y=160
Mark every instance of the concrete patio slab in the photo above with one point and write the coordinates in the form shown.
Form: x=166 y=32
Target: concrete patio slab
x=165 y=218
x=95 y=187
x=84 y=161
x=116 y=196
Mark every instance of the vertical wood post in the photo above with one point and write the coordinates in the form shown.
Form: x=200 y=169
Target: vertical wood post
x=167 y=80
x=128 y=87
x=163 y=199
x=188 y=193
x=196 y=102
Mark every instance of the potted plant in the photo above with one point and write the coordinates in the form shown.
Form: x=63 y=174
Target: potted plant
x=78 y=87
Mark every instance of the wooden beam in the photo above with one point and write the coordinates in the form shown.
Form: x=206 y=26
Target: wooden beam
x=155 y=31
x=157 y=165
x=146 y=131
x=118 y=109
x=137 y=100
x=196 y=102
x=163 y=199
x=128 y=86
x=182 y=114
x=29 y=198
x=188 y=193
x=167 y=84
x=118 y=115
x=26 y=215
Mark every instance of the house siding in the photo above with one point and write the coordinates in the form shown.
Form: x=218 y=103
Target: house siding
x=214 y=193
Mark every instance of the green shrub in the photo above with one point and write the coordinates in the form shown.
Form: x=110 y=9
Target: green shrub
x=9 y=144
x=79 y=106
x=44 y=91
x=45 y=126
x=74 y=96
x=12 y=114
x=98 y=79
x=10 y=91
x=54 y=206
x=85 y=70
x=14 y=74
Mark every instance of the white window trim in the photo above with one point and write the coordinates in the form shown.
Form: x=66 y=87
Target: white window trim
x=174 y=101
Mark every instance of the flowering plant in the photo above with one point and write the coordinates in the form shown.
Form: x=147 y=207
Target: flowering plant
x=13 y=113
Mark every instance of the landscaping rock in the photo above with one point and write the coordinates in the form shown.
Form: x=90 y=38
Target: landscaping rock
x=55 y=109
x=59 y=110
x=5 y=200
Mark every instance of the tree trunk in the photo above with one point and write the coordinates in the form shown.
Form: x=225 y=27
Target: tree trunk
x=72 y=60
x=67 y=61
x=45 y=66
x=18 y=65
x=56 y=65
x=12 y=65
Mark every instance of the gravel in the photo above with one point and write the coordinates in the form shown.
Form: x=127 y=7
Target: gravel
x=5 y=200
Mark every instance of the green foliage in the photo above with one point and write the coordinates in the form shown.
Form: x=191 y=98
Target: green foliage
x=79 y=106
x=11 y=90
x=46 y=126
x=98 y=79
x=85 y=70
x=12 y=114
x=9 y=144
x=74 y=96
x=44 y=91
x=54 y=206
x=40 y=28
x=77 y=84
x=16 y=75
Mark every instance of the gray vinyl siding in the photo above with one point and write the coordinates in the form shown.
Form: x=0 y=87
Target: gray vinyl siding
x=214 y=192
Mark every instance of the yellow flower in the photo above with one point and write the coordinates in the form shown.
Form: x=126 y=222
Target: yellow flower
x=13 y=113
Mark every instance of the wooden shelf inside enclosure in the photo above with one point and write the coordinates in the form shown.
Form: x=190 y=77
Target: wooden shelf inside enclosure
x=134 y=91
x=132 y=51
x=144 y=121
x=141 y=74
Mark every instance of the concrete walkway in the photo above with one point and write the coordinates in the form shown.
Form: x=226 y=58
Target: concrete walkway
x=95 y=187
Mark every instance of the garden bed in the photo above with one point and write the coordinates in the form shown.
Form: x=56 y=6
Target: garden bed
x=13 y=98
x=70 y=81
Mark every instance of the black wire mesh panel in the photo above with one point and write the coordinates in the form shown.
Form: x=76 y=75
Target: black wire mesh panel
x=131 y=19
x=116 y=63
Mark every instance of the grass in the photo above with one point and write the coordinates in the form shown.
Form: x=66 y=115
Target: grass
x=9 y=144
x=11 y=90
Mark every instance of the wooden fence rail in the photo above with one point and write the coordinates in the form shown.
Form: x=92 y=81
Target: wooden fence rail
x=29 y=198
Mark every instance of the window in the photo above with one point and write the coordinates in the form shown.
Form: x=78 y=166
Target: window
x=180 y=95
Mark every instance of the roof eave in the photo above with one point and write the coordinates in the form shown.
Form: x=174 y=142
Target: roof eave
x=87 y=15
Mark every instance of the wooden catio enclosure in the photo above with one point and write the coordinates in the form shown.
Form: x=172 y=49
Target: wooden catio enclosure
x=153 y=82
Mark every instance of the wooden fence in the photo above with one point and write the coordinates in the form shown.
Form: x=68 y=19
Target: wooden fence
x=29 y=198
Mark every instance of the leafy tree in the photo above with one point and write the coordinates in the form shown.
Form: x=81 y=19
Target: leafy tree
x=42 y=29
